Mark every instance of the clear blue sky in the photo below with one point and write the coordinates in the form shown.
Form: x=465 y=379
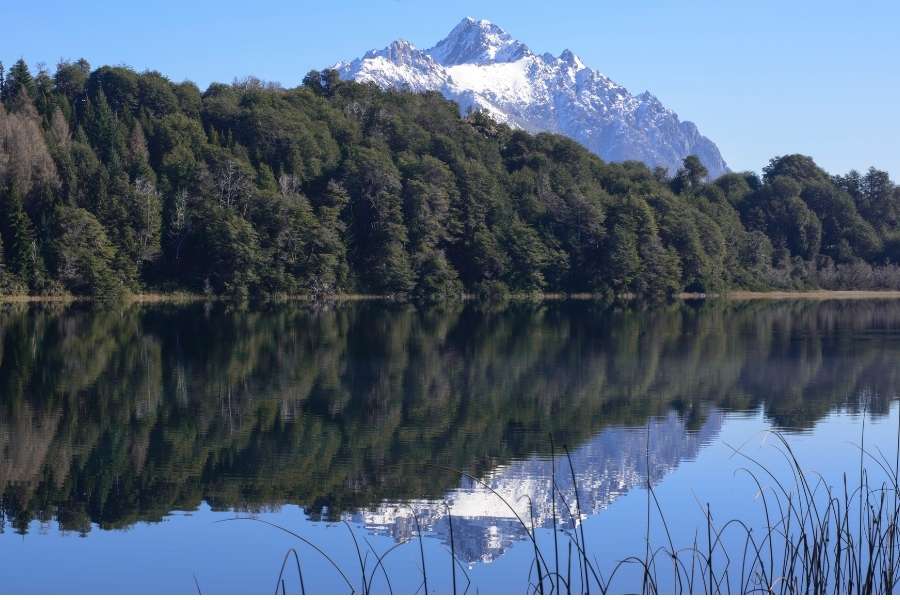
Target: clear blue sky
x=760 y=78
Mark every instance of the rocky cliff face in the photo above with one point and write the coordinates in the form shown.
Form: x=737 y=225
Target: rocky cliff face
x=482 y=67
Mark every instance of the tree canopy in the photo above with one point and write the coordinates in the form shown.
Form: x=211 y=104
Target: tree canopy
x=113 y=180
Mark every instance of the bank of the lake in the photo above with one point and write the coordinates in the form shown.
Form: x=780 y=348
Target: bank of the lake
x=187 y=297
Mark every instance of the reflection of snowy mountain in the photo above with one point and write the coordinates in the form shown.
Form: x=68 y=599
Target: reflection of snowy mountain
x=606 y=467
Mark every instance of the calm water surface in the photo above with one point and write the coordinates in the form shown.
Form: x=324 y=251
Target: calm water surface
x=128 y=436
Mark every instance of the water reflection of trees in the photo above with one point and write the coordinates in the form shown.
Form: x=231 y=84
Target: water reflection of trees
x=115 y=416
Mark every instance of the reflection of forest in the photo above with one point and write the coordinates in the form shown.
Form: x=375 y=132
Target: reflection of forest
x=117 y=416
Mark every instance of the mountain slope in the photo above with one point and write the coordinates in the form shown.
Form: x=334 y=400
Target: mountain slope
x=480 y=66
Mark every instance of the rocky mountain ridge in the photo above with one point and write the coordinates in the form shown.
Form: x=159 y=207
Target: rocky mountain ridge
x=481 y=67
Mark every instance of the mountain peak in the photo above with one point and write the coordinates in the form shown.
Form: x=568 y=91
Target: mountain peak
x=475 y=41
x=480 y=66
x=571 y=59
x=402 y=52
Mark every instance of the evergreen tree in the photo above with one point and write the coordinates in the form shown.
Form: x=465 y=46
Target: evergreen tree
x=234 y=254
x=82 y=255
x=379 y=235
x=70 y=78
x=44 y=100
x=5 y=282
x=23 y=255
x=690 y=176
x=329 y=270
x=18 y=78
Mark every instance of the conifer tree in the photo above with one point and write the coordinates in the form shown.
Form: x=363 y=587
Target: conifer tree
x=3 y=275
x=379 y=233
x=330 y=270
x=19 y=78
x=22 y=253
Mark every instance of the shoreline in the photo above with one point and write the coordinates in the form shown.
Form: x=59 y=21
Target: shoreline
x=815 y=295
x=735 y=295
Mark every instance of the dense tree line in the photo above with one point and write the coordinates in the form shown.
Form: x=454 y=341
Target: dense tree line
x=110 y=417
x=112 y=181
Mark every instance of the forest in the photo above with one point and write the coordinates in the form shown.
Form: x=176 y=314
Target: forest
x=115 y=182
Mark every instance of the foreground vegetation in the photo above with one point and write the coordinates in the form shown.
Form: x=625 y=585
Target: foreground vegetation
x=112 y=181
x=815 y=538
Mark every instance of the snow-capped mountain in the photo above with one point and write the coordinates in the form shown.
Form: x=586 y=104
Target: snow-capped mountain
x=606 y=467
x=480 y=66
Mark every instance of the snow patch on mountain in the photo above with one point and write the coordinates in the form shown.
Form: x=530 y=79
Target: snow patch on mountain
x=477 y=42
x=482 y=67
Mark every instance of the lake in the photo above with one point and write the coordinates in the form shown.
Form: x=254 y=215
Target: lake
x=131 y=438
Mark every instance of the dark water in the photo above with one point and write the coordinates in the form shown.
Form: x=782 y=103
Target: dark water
x=126 y=436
